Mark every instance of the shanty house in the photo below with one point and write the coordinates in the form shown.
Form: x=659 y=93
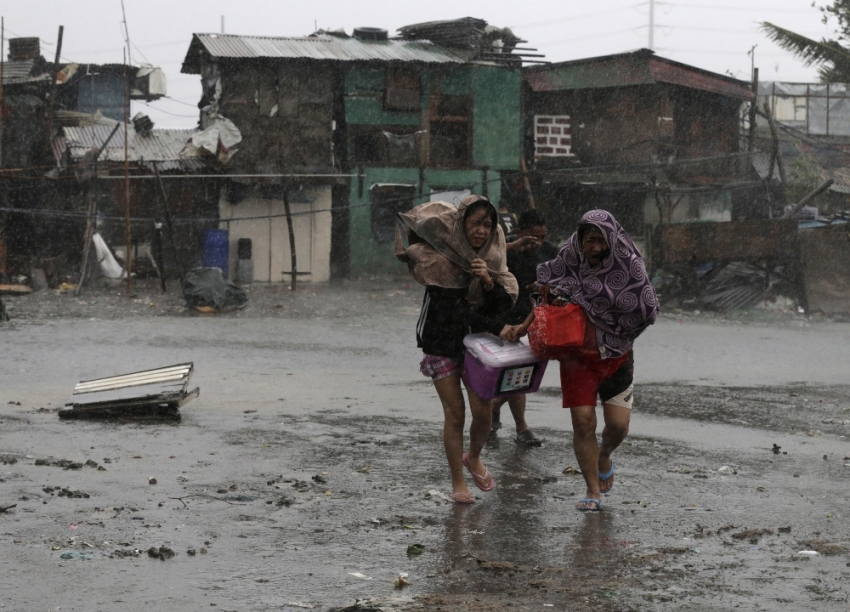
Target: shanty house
x=32 y=149
x=354 y=129
x=650 y=139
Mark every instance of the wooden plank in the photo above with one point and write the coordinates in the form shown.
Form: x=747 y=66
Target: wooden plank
x=15 y=289
x=748 y=240
x=825 y=255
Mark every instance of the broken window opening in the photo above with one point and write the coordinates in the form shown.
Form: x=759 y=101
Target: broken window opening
x=386 y=202
x=403 y=92
x=451 y=130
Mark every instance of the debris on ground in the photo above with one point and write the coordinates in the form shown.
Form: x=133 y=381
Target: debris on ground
x=400 y=581
x=5 y=508
x=162 y=553
x=75 y=554
x=206 y=290
x=415 y=549
x=160 y=393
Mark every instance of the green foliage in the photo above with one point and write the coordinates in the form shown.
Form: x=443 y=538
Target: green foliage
x=803 y=176
x=831 y=57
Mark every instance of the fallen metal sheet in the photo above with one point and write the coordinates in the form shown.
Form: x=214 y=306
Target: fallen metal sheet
x=825 y=255
x=150 y=393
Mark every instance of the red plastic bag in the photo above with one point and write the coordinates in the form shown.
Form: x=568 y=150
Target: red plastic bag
x=556 y=329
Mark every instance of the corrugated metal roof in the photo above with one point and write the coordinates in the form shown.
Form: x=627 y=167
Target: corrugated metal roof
x=161 y=146
x=20 y=71
x=641 y=67
x=321 y=47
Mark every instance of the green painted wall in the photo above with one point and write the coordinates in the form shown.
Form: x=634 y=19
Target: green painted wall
x=496 y=138
x=496 y=119
x=371 y=257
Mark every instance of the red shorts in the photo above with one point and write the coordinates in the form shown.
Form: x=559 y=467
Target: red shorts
x=581 y=374
x=438 y=367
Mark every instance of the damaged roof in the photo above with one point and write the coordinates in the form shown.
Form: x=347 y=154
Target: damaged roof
x=318 y=47
x=163 y=146
x=640 y=67
x=16 y=72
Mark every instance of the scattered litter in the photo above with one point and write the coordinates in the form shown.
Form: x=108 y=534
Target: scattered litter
x=400 y=581
x=571 y=470
x=298 y=604
x=4 y=508
x=776 y=449
x=206 y=290
x=415 y=549
x=476 y=532
x=359 y=575
x=162 y=553
x=438 y=494
x=727 y=470
x=809 y=553
x=152 y=480
x=76 y=554
x=545 y=479
x=321 y=479
x=159 y=393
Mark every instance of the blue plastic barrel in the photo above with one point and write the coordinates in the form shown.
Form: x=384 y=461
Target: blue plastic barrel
x=215 y=250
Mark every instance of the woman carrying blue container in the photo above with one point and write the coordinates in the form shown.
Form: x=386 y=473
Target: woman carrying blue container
x=459 y=255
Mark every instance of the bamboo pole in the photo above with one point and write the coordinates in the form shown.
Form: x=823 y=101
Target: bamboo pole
x=128 y=266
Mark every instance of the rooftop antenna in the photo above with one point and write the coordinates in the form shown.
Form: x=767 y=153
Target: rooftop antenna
x=222 y=24
x=652 y=25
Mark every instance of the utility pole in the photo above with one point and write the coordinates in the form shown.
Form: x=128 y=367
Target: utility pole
x=652 y=25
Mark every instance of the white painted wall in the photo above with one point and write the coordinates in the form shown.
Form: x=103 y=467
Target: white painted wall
x=270 y=237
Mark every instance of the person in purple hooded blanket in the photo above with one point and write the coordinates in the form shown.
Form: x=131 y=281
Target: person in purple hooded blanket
x=600 y=269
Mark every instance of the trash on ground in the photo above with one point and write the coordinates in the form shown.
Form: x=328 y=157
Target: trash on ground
x=359 y=575
x=727 y=470
x=206 y=290
x=810 y=553
x=415 y=549
x=150 y=393
x=438 y=494
x=75 y=554
x=571 y=470
x=4 y=508
x=400 y=581
x=162 y=553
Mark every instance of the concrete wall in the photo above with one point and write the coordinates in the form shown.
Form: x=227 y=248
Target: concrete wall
x=270 y=236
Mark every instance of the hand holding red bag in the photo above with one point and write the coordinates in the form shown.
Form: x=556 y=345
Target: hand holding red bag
x=556 y=329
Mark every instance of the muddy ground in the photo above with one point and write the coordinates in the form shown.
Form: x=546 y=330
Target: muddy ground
x=312 y=460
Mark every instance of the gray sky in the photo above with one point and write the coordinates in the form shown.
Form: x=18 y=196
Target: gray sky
x=711 y=34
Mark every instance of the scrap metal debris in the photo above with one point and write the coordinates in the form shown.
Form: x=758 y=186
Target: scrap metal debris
x=150 y=393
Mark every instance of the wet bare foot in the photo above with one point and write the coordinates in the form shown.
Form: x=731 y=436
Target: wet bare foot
x=606 y=477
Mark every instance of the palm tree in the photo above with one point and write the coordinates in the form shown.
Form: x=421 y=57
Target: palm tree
x=832 y=57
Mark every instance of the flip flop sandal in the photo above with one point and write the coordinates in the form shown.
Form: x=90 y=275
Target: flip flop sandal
x=606 y=476
x=463 y=498
x=479 y=479
x=527 y=438
x=597 y=505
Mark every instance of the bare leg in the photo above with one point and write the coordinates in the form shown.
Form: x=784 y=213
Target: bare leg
x=617 y=420
x=517 y=404
x=586 y=448
x=496 y=412
x=479 y=430
x=454 y=410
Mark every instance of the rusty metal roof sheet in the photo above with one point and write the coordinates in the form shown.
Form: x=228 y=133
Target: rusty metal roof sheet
x=641 y=67
x=162 y=146
x=16 y=72
x=320 y=47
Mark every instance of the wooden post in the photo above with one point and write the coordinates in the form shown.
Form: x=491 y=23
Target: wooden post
x=291 y=234
x=167 y=213
x=50 y=105
x=128 y=266
x=775 y=154
x=811 y=196
x=525 y=182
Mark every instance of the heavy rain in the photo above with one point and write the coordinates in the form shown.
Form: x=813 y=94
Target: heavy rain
x=422 y=314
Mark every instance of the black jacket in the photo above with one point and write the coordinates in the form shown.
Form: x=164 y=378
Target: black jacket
x=447 y=317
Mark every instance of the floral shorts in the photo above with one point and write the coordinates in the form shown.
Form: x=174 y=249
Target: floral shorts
x=437 y=366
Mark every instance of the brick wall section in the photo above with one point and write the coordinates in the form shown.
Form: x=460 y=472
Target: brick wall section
x=552 y=136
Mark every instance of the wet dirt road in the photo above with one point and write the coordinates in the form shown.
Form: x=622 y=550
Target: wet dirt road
x=303 y=472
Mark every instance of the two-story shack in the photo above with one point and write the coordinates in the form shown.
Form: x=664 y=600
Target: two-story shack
x=355 y=129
